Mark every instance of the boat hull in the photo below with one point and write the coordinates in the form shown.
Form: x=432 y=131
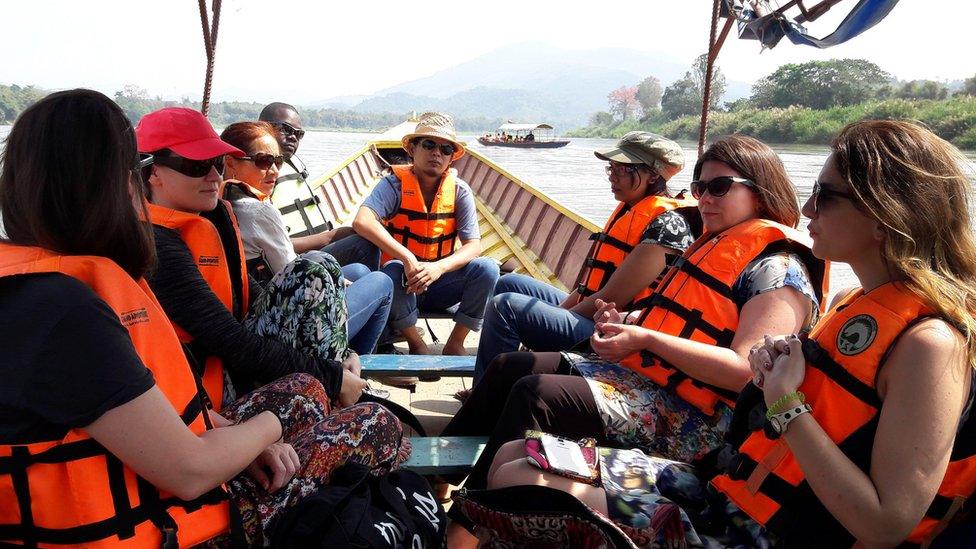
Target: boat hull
x=555 y=144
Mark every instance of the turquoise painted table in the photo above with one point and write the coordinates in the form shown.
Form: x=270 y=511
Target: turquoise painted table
x=422 y=366
x=444 y=455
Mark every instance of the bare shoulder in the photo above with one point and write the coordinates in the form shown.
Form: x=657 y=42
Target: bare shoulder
x=930 y=352
x=933 y=336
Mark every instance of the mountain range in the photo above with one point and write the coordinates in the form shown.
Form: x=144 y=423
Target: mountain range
x=527 y=82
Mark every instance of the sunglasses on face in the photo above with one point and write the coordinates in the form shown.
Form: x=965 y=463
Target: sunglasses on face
x=822 y=195
x=620 y=170
x=263 y=161
x=191 y=168
x=288 y=129
x=719 y=186
x=447 y=149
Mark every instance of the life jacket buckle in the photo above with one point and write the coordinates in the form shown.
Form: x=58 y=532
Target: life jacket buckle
x=170 y=540
x=737 y=468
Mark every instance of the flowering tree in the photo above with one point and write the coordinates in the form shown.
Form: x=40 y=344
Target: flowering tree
x=623 y=102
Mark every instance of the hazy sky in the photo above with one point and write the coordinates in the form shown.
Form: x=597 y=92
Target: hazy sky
x=304 y=50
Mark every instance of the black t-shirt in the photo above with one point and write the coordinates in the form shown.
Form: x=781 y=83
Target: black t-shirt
x=65 y=359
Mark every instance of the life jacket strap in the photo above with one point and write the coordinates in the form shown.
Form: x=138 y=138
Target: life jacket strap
x=608 y=240
x=692 y=318
x=682 y=264
x=818 y=357
x=415 y=215
x=407 y=234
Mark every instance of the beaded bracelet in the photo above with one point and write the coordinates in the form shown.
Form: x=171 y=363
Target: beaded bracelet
x=788 y=397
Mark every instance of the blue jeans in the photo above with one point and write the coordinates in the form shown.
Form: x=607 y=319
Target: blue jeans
x=355 y=249
x=525 y=310
x=470 y=286
x=368 y=302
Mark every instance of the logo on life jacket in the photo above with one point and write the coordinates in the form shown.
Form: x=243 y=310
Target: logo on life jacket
x=133 y=317
x=857 y=334
x=209 y=261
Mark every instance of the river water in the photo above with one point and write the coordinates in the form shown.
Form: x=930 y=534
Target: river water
x=571 y=174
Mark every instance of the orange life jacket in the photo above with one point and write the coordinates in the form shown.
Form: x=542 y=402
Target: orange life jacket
x=619 y=237
x=245 y=188
x=844 y=352
x=73 y=492
x=694 y=300
x=430 y=234
x=203 y=237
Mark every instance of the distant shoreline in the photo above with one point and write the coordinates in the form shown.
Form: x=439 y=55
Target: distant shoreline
x=952 y=119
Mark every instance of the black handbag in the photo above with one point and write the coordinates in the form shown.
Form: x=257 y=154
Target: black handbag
x=357 y=509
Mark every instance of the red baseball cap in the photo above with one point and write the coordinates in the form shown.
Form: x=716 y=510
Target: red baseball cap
x=184 y=131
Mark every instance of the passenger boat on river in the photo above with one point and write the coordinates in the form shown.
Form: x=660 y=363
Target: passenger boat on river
x=524 y=136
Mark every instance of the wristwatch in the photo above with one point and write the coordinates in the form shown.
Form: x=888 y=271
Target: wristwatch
x=777 y=424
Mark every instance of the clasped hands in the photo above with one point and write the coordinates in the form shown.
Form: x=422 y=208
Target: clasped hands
x=778 y=366
x=613 y=338
x=418 y=276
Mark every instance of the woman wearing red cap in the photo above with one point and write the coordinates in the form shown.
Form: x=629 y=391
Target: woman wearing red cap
x=240 y=337
x=105 y=436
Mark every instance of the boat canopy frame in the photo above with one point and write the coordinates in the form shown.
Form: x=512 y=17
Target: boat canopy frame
x=540 y=132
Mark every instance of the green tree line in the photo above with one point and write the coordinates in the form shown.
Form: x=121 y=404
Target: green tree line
x=136 y=103
x=798 y=103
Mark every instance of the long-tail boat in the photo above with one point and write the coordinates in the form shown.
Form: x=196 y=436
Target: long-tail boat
x=523 y=136
x=521 y=227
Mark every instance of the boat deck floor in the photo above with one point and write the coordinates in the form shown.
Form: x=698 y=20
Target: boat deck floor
x=433 y=402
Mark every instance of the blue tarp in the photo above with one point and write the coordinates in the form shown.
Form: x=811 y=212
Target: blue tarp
x=770 y=29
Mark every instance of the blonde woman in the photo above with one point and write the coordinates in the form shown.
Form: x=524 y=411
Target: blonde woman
x=871 y=416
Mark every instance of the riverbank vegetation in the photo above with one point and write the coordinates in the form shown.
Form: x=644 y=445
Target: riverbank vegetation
x=136 y=103
x=798 y=103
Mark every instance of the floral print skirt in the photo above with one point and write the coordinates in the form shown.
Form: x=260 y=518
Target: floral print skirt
x=638 y=412
x=305 y=305
x=324 y=439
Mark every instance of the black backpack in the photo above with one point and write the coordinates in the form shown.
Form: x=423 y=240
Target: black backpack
x=357 y=509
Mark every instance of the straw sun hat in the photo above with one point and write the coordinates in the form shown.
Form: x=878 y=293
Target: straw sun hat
x=435 y=124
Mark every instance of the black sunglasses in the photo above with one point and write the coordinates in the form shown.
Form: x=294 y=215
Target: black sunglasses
x=288 y=129
x=447 y=149
x=263 y=161
x=191 y=168
x=821 y=194
x=719 y=186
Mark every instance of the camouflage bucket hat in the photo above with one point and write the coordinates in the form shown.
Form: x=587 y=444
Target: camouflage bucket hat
x=657 y=152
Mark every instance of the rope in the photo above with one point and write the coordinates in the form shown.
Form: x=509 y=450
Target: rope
x=707 y=94
x=210 y=46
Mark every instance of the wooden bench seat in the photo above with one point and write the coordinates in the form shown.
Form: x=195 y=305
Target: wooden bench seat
x=444 y=455
x=426 y=367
